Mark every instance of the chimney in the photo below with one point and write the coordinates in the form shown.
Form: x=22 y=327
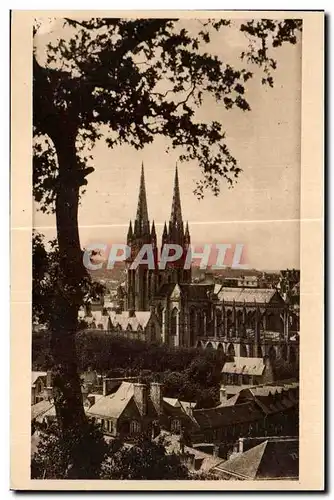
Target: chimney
x=156 y=396
x=241 y=445
x=140 y=397
x=222 y=394
x=215 y=450
x=48 y=387
x=48 y=379
x=132 y=313
x=189 y=410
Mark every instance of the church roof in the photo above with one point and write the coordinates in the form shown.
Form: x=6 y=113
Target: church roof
x=241 y=294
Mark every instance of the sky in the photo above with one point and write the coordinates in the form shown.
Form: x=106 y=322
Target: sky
x=261 y=211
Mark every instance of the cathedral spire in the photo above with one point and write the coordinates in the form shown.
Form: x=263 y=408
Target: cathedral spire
x=141 y=223
x=153 y=232
x=130 y=232
x=176 y=214
x=187 y=234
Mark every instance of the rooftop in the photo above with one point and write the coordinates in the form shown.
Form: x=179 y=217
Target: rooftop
x=240 y=294
x=113 y=405
x=244 y=366
x=271 y=459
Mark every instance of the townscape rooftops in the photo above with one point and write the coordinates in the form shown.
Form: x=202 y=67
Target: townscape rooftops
x=114 y=404
x=241 y=294
x=224 y=415
x=244 y=366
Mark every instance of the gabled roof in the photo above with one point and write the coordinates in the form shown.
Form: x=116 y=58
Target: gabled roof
x=244 y=366
x=277 y=459
x=137 y=321
x=241 y=294
x=35 y=376
x=226 y=415
x=173 y=402
x=244 y=465
x=113 y=405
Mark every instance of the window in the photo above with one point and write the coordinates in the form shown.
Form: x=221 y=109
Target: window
x=134 y=427
x=175 y=426
x=174 y=322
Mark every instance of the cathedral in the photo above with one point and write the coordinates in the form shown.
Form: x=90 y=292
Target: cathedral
x=143 y=283
x=168 y=294
x=240 y=321
x=165 y=305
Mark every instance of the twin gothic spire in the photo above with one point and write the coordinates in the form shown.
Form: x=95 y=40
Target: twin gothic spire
x=175 y=234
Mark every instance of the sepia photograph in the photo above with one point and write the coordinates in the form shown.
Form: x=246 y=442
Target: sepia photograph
x=166 y=194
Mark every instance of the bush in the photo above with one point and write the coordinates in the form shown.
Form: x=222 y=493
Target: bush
x=56 y=455
x=145 y=460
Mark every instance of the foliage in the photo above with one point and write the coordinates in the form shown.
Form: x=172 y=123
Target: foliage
x=132 y=80
x=79 y=456
x=47 y=284
x=283 y=370
x=118 y=356
x=146 y=459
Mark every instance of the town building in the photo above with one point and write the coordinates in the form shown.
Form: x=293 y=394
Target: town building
x=40 y=386
x=244 y=372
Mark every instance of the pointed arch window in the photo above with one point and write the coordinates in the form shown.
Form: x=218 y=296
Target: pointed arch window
x=174 y=318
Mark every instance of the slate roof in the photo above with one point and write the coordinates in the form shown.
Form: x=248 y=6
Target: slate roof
x=244 y=366
x=225 y=415
x=123 y=320
x=277 y=459
x=241 y=294
x=40 y=408
x=205 y=461
x=35 y=376
x=138 y=321
x=113 y=405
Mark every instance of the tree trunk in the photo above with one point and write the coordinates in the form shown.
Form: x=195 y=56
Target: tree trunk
x=66 y=382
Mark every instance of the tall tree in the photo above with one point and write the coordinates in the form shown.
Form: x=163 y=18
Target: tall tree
x=129 y=80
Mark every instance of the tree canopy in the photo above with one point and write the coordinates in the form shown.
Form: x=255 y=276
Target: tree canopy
x=133 y=79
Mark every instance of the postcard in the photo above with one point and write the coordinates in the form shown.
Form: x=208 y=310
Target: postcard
x=167 y=236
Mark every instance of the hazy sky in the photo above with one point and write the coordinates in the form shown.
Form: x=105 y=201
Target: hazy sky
x=261 y=211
